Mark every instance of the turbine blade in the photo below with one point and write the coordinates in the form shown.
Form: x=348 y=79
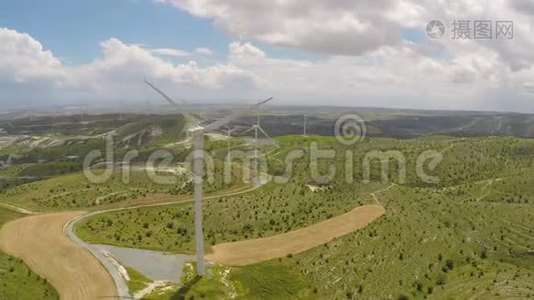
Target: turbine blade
x=224 y=121
x=264 y=133
x=169 y=99
x=229 y=130
x=248 y=130
x=263 y=102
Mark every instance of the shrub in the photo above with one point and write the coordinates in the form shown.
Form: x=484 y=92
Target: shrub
x=440 y=280
x=450 y=264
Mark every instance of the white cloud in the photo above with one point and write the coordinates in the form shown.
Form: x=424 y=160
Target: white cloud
x=367 y=57
x=204 y=51
x=26 y=66
x=338 y=26
x=245 y=51
x=23 y=59
x=365 y=61
x=170 y=52
x=348 y=27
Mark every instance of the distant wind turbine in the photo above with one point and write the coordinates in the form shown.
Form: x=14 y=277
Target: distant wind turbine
x=229 y=132
x=304 y=131
x=257 y=129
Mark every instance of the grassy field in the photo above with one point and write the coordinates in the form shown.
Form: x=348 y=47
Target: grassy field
x=137 y=281
x=270 y=211
x=469 y=235
x=267 y=281
x=435 y=242
x=73 y=191
x=428 y=246
x=17 y=281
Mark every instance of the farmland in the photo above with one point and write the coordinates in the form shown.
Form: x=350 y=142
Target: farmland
x=17 y=281
x=75 y=190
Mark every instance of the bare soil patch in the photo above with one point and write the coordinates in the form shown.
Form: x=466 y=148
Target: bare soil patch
x=253 y=251
x=40 y=241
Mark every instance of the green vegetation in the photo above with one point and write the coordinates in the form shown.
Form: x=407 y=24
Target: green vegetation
x=137 y=281
x=435 y=241
x=470 y=234
x=215 y=285
x=270 y=280
x=76 y=191
x=266 y=281
x=17 y=281
x=273 y=210
x=64 y=144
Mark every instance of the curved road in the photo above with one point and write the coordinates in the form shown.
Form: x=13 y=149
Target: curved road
x=120 y=283
x=48 y=245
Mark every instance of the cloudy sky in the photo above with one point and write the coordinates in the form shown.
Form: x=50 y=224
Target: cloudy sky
x=317 y=52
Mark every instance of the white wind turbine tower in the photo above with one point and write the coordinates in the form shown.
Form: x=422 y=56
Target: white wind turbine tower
x=197 y=134
x=257 y=128
x=83 y=112
x=304 y=132
x=229 y=132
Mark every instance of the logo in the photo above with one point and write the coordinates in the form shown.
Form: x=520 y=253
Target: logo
x=350 y=129
x=505 y=30
x=435 y=29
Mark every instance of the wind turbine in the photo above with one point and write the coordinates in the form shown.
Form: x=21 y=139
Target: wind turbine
x=304 y=132
x=197 y=134
x=83 y=111
x=229 y=132
x=257 y=129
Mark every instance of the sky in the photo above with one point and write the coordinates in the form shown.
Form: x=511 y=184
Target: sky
x=315 y=52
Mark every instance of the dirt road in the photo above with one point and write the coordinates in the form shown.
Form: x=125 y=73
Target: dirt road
x=293 y=242
x=40 y=241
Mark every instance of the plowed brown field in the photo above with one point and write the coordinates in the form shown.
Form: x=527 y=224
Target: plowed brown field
x=40 y=241
x=293 y=242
